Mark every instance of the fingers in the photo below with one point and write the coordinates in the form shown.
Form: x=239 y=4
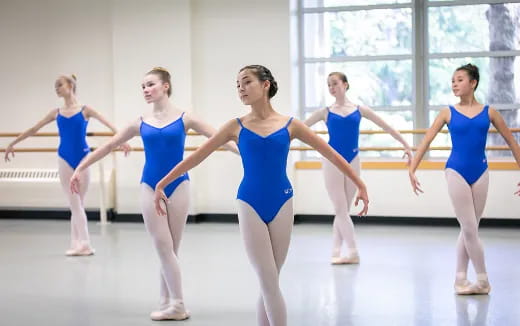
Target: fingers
x=364 y=211
x=74 y=185
x=159 y=197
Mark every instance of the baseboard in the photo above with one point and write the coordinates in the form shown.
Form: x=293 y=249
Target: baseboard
x=406 y=220
x=50 y=214
x=232 y=218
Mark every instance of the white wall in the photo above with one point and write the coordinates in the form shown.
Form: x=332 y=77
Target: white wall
x=110 y=45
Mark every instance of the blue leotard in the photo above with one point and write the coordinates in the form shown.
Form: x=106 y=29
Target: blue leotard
x=73 y=138
x=163 y=150
x=265 y=186
x=468 y=139
x=344 y=133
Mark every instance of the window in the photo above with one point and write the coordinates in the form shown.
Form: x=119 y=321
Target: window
x=377 y=43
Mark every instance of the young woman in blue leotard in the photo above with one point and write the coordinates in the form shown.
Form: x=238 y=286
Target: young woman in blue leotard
x=265 y=210
x=163 y=132
x=72 y=120
x=342 y=119
x=466 y=171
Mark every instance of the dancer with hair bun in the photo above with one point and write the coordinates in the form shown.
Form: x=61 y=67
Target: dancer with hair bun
x=72 y=120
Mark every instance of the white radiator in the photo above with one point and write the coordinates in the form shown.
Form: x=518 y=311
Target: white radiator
x=41 y=188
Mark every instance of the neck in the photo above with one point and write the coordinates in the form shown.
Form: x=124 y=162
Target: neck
x=70 y=101
x=468 y=100
x=262 y=109
x=161 y=106
x=342 y=100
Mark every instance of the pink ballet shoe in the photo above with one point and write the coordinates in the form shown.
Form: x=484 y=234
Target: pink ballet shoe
x=82 y=251
x=70 y=252
x=353 y=259
x=174 y=311
x=468 y=288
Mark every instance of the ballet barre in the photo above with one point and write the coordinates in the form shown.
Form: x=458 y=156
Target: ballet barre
x=191 y=133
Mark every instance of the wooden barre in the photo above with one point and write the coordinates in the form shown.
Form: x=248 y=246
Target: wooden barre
x=294 y=148
x=400 y=165
x=191 y=133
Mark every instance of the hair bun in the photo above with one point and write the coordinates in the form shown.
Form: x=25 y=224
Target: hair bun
x=160 y=69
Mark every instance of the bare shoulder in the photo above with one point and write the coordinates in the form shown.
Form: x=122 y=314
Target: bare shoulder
x=295 y=126
x=493 y=112
x=444 y=115
x=88 y=111
x=52 y=114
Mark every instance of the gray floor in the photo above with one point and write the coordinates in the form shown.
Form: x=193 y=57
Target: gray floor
x=405 y=277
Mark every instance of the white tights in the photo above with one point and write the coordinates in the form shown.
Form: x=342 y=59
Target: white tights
x=341 y=190
x=166 y=232
x=267 y=246
x=79 y=236
x=468 y=203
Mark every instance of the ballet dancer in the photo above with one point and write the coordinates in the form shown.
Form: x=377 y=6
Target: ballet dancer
x=342 y=119
x=265 y=207
x=163 y=132
x=467 y=171
x=72 y=120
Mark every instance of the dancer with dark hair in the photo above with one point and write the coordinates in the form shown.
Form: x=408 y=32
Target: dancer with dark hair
x=467 y=171
x=264 y=199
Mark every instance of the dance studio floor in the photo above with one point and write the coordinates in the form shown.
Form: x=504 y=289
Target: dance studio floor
x=405 y=277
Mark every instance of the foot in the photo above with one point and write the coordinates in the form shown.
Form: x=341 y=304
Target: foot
x=81 y=251
x=70 y=251
x=352 y=259
x=174 y=311
x=461 y=285
x=468 y=288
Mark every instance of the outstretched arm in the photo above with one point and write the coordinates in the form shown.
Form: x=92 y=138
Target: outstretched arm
x=502 y=128
x=224 y=135
x=51 y=116
x=437 y=125
x=91 y=113
x=302 y=132
x=118 y=139
x=316 y=117
x=372 y=116
x=192 y=122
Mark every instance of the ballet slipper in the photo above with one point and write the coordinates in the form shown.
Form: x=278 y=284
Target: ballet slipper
x=81 y=251
x=480 y=287
x=351 y=259
x=175 y=311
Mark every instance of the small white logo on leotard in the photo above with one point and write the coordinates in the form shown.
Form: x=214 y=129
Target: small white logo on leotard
x=287 y=191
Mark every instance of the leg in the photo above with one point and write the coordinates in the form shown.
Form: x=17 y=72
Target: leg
x=177 y=210
x=479 y=192
x=335 y=185
x=266 y=247
x=350 y=190
x=461 y=195
x=159 y=229
x=80 y=240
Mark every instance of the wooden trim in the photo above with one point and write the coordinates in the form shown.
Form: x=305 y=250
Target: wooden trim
x=397 y=165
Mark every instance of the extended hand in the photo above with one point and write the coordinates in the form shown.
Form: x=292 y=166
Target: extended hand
x=159 y=197
x=416 y=185
x=74 y=183
x=363 y=196
x=126 y=148
x=409 y=156
x=9 y=150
